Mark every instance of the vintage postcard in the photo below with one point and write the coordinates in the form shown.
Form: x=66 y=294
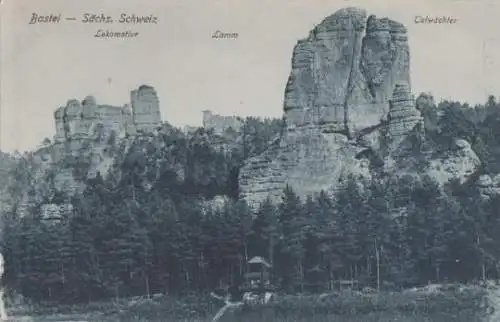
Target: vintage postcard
x=298 y=160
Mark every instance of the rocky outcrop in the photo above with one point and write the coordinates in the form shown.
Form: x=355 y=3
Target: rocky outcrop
x=308 y=160
x=456 y=164
x=348 y=98
x=425 y=101
x=146 y=115
x=403 y=116
x=220 y=123
x=86 y=140
x=488 y=187
x=343 y=74
x=60 y=171
x=82 y=120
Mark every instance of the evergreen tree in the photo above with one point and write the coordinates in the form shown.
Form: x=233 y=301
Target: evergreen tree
x=291 y=217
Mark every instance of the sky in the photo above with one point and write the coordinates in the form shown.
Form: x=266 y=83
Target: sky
x=42 y=66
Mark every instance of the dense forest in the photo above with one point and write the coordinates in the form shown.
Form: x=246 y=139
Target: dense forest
x=122 y=238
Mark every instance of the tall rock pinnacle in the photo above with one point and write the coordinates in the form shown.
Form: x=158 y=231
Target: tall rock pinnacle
x=342 y=79
x=348 y=102
x=344 y=73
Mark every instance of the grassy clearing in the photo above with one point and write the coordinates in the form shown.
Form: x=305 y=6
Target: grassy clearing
x=451 y=304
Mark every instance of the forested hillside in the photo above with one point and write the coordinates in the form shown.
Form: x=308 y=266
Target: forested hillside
x=149 y=225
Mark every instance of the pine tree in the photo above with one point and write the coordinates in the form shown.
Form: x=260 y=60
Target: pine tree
x=328 y=234
x=265 y=231
x=348 y=217
x=292 y=227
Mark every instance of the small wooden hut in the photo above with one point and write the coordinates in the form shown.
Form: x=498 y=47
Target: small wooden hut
x=258 y=277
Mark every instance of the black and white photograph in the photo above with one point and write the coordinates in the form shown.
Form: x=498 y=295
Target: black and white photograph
x=250 y=161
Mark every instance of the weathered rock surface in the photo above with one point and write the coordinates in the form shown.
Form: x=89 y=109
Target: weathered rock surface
x=348 y=96
x=488 y=187
x=87 y=139
x=344 y=73
x=403 y=115
x=221 y=123
x=60 y=169
x=82 y=120
x=456 y=164
x=308 y=160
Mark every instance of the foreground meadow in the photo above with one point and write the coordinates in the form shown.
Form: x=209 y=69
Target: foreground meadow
x=455 y=303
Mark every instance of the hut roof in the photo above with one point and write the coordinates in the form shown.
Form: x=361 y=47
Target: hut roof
x=259 y=260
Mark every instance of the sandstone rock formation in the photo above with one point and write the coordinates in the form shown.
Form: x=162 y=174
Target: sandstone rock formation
x=86 y=143
x=488 y=187
x=425 y=100
x=78 y=120
x=145 y=108
x=219 y=123
x=308 y=160
x=344 y=73
x=348 y=97
x=456 y=164
x=403 y=115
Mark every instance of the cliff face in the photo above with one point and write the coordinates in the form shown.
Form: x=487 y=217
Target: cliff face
x=348 y=96
x=220 y=124
x=488 y=187
x=87 y=141
x=57 y=172
x=344 y=73
x=307 y=160
x=81 y=120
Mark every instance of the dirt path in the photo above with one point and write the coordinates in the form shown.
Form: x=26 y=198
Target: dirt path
x=494 y=304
